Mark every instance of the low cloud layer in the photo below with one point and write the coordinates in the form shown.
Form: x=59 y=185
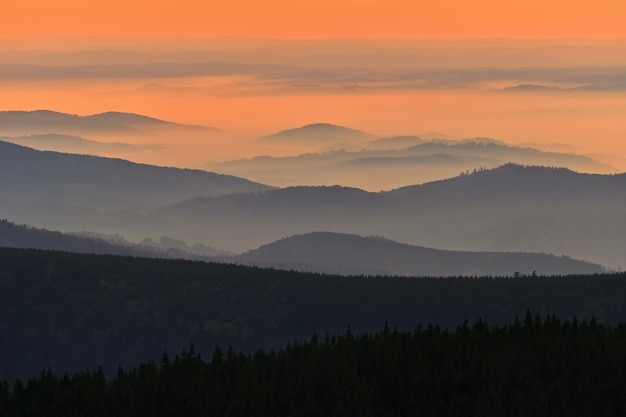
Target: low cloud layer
x=281 y=78
x=339 y=65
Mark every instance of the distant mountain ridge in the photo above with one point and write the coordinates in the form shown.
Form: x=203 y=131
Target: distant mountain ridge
x=48 y=121
x=395 y=142
x=29 y=237
x=512 y=208
x=318 y=134
x=29 y=173
x=322 y=252
x=26 y=237
x=389 y=163
x=79 y=192
x=345 y=254
x=524 y=182
x=70 y=143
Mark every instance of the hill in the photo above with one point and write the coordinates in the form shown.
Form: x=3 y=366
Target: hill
x=28 y=237
x=30 y=175
x=75 y=311
x=395 y=142
x=70 y=192
x=319 y=135
x=47 y=121
x=502 y=153
x=514 y=181
x=512 y=208
x=381 y=165
x=345 y=254
x=69 y=144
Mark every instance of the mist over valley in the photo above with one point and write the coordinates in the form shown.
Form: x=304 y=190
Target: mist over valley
x=513 y=208
x=251 y=225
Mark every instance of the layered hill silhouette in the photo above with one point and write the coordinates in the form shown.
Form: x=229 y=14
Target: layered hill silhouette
x=28 y=174
x=517 y=182
x=78 y=192
x=319 y=135
x=395 y=142
x=112 y=134
x=323 y=252
x=28 y=237
x=386 y=163
x=71 y=144
x=344 y=254
x=46 y=121
x=510 y=208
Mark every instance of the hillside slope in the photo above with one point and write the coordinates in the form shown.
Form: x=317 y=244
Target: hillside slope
x=72 y=311
x=511 y=208
x=343 y=254
x=90 y=181
x=47 y=121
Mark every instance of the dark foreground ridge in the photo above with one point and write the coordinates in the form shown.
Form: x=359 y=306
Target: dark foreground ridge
x=75 y=311
x=538 y=367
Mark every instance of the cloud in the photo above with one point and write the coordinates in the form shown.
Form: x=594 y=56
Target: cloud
x=281 y=77
x=335 y=66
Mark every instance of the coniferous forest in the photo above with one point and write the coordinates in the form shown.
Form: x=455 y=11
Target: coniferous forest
x=101 y=335
x=533 y=367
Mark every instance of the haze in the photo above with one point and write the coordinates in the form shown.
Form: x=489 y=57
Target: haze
x=455 y=139
x=521 y=72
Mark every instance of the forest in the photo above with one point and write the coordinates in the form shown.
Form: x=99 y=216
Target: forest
x=532 y=367
x=73 y=311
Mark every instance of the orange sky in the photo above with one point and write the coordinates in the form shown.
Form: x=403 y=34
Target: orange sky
x=592 y=121
x=316 y=18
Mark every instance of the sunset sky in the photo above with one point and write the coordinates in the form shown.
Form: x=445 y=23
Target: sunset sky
x=393 y=67
x=317 y=18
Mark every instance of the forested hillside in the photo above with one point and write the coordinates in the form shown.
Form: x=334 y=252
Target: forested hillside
x=73 y=311
x=535 y=367
x=27 y=237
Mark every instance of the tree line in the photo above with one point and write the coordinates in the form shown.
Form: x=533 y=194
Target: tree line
x=540 y=366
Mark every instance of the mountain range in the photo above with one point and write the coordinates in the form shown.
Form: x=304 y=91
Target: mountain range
x=324 y=252
x=511 y=208
x=321 y=153
x=73 y=144
x=113 y=134
x=28 y=237
x=104 y=183
x=344 y=254
x=80 y=192
x=320 y=136
x=387 y=163
x=46 y=121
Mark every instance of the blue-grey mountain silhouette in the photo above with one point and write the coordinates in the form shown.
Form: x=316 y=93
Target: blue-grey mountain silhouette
x=319 y=134
x=511 y=208
x=345 y=254
x=47 y=121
